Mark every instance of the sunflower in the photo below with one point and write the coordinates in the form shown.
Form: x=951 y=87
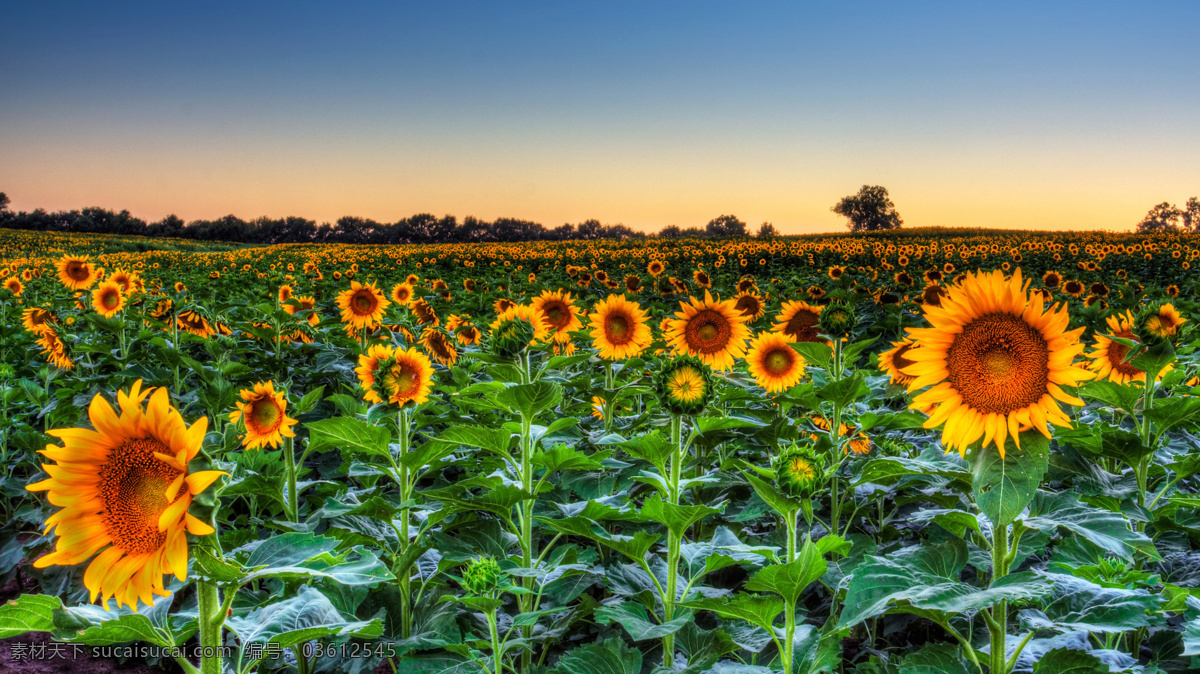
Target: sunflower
x=285 y=293
x=1164 y=322
x=368 y=367
x=54 y=349
x=1073 y=288
x=402 y=294
x=503 y=304
x=633 y=283
x=776 y=366
x=618 y=328
x=798 y=472
x=107 y=299
x=655 y=267
x=194 y=323
x=263 y=409
x=519 y=327
x=835 y=272
x=37 y=319
x=13 y=285
x=893 y=362
x=684 y=385
x=750 y=305
x=996 y=361
x=404 y=377
x=424 y=313
x=125 y=489
x=713 y=331
x=439 y=346
x=559 y=313
x=701 y=279
x=304 y=303
x=798 y=320
x=362 y=305
x=468 y=335
x=1052 y=279
x=76 y=273
x=1108 y=360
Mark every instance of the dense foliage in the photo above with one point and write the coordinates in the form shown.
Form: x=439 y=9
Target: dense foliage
x=620 y=456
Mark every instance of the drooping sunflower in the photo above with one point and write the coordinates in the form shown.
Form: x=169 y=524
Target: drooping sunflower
x=713 y=331
x=192 y=322
x=684 y=385
x=263 y=411
x=996 y=361
x=439 y=346
x=125 y=489
x=619 y=328
x=76 y=273
x=776 y=366
x=362 y=305
x=404 y=377
x=798 y=320
x=750 y=305
x=893 y=362
x=368 y=368
x=54 y=349
x=559 y=313
x=1108 y=360
x=304 y=303
x=468 y=335
x=1163 y=321
x=503 y=304
x=107 y=299
x=37 y=319
x=402 y=294
x=424 y=313
x=516 y=329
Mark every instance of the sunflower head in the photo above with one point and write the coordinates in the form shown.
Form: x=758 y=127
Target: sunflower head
x=776 y=366
x=107 y=299
x=799 y=471
x=263 y=413
x=518 y=328
x=711 y=330
x=77 y=273
x=483 y=577
x=1160 y=320
x=618 y=328
x=559 y=314
x=125 y=489
x=837 y=319
x=439 y=346
x=403 y=377
x=894 y=361
x=362 y=305
x=750 y=305
x=798 y=320
x=684 y=385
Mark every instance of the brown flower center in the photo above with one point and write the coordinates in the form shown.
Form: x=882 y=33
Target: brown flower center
x=999 y=364
x=133 y=485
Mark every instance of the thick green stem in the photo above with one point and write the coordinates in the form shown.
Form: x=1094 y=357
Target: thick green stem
x=497 y=655
x=527 y=551
x=289 y=460
x=790 y=523
x=999 y=624
x=402 y=424
x=674 y=496
x=789 y=635
x=211 y=621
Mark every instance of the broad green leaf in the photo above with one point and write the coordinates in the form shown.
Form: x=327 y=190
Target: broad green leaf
x=1069 y=661
x=1171 y=412
x=818 y=354
x=634 y=547
x=936 y=659
x=207 y=565
x=708 y=425
x=1003 y=487
x=756 y=609
x=1050 y=512
x=1078 y=604
x=308 y=615
x=1191 y=638
x=366 y=570
x=610 y=656
x=28 y=613
x=530 y=399
x=94 y=626
x=289 y=549
x=845 y=391
x=348 y=434
x=790 y=580
x=437 y=664
x=310 y=400
x=930 y=463
x=652 y=447
x=1120 y=396
x=494 y=440
x=780 y=502
x=677 y=518
x=562 y=457
x=633 y=617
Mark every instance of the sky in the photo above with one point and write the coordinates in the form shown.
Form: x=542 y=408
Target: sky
x=1044 y=115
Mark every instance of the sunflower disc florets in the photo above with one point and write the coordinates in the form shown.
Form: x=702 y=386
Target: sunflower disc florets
x=684 y=385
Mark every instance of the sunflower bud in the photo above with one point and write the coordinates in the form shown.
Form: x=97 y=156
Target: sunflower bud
x=799 y=472
x=482 y=577
x=837 y=319
x=684 y=385
x=1160 y=320
x=511 y=338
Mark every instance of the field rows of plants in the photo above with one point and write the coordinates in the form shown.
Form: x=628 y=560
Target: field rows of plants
x=922 y=451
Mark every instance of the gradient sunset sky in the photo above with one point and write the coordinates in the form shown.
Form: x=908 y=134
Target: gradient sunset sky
x=1062 y=115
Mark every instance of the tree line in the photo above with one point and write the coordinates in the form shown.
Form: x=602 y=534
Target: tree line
x=870 y=209
x=1167 y=217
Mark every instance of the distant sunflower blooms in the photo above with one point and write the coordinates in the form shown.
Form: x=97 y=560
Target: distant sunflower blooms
x=798 y=320
x=893 y=362
x=633 y=284
x=618 y=328
x=469 y=285
x=1073 y=288
x=775 y=365
x=303 y=303
x=191 y=322
x=835 y=272
x=125 y=489
x=76 y=273
x=1052 y=279
x=815 y=293
x=746 y=284
x=560 y=315
x=996 y=361
x=1172 y=291
x=1108 y=360
x=656 y=267
x=858 y=443
x=13 y=285
x=107 y=299
x=750 y=306
x=711 y=330
x=933 y=276
x=439 y=346
x=701 y=279
x=362 y=305
x=263 y=412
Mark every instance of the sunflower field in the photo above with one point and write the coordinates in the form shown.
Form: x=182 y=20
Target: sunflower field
x=960 y=451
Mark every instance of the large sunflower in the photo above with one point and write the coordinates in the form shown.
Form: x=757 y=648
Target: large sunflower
x=76 y=273
x=894 y=360
x=524 y=315
x=402 y=294
x=263 y=410
x=37 y=319
x=107 y=299
x=559 y=313
x=368 y=369
x=362 y=305
x=713 y=331
x=798 y=320
x=405 y=377
x=776 y=366
x=1108 y=360
x=124 y=488
x=619 y=328
x=996 y=361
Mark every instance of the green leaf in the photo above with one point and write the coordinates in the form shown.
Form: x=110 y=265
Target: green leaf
x=818 y=354
x=1069 y=661
x=845 y=391
x=610 y=656
x=780 y=502
x=632 y=616
x=495 y=440
x=677 y=518
x=1078 y=604
x=634 y=547
x=651 y=447
x=529 y=399
x=310 y=400
x=790 y=580
x=308 y=615
x=1003 y=487
x=936 y=659
x=707 y=425
x=94 y=626
x=1191 y=638
x=348 y=434
x=28 y=613
x=756 y=609
x=289 y=549
x=1122 y=397
x=562 y=457
x=366 y=570
x=1108 y=530
x=437 y=664
x=930 y=463
x=1171 y=412
x=207 y=565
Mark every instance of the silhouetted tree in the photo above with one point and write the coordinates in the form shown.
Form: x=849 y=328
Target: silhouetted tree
x=726 y=226
x=1163 y=217
x=670 y=232
x=3 y=202
x=869 y=210
x=1191 y=214
x=692 y=233
x=767 y=231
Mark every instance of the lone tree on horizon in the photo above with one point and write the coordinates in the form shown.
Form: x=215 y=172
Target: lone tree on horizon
x=869 y=210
